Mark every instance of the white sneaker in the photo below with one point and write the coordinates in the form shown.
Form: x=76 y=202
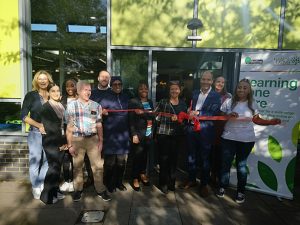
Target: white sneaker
x=36 y=192
x=60 y=196
x=71 y=187
x=54 y=200
x=64 y=187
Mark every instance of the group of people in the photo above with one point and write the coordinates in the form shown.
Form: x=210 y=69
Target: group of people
x=100 y=127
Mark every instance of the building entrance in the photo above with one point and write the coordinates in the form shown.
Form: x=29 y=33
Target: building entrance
x=187 y=67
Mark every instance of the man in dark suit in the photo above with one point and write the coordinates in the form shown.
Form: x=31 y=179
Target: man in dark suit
x=205 y=102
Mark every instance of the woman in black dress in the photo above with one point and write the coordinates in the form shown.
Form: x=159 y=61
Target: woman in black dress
x=54 y=143
x=141 y=134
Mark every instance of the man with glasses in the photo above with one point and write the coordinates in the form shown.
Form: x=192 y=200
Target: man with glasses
x=116 y=135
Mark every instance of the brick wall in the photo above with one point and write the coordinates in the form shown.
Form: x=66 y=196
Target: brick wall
x=13 y=160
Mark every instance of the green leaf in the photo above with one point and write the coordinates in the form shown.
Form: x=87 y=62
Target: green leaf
x=290 y=174
x=295 y=133
x=267 y=176
x=275 y=149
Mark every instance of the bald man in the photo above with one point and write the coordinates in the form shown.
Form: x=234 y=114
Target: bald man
x=205 y=102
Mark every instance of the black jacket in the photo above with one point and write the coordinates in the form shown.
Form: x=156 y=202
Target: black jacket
x=52 y=124
x=138 y=122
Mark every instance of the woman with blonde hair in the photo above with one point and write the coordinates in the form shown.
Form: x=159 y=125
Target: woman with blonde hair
x=30 y=114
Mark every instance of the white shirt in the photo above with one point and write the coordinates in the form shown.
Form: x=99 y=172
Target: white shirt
x=201 y=99
x=239 y=130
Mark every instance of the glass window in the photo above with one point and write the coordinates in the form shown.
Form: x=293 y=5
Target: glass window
x=10 y=117
x=132 y=66
x=75 y=43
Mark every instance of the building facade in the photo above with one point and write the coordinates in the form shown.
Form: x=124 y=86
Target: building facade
x=135 y=39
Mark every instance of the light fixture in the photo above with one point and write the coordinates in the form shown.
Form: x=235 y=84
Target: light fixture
x=41 y=58
x=194 y=24
x=92 y=17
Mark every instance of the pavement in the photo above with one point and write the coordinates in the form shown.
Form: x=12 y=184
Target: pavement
x=148 y=207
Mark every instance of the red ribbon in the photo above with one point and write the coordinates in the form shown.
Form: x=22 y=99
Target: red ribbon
x=183 y=116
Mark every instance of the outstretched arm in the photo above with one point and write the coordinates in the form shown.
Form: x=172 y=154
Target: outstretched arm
x=259 y=121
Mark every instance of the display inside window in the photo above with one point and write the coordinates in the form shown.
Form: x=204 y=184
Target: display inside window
x=70 y=39
x=10 y=117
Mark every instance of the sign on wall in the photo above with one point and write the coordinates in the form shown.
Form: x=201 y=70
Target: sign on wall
x=275 y=80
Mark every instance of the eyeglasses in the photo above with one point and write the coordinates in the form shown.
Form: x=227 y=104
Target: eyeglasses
x=117 y=84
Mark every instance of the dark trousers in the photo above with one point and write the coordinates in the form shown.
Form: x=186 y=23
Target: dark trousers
x=51 y=183
x=198 y=153
x=140 y=153
x=241 y=151
x=68 y=167
x=114 y=168
x=168 y=151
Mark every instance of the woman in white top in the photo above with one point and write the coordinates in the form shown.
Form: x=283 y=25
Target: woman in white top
x=238 y=137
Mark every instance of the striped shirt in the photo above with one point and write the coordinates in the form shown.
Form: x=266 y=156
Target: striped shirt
x=83 y=117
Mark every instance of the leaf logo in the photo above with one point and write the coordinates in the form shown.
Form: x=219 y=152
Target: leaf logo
x=290 y=174
x=267 y=175
x=275 y=149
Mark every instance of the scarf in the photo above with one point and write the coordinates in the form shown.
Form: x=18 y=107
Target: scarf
x=58 y=108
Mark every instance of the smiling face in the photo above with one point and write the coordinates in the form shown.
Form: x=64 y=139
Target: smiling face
x=143 y=91
x=206 y=81
x=54 y=93
x=243 y=90
x=174 y=91
x=116 y=86
x=71 y=88
x=84 y=92
x=219 y=84
x=104 y=78
x=42 y=81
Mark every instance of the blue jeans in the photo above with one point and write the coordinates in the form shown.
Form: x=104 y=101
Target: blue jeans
x=241 y=151
x=198 y=153
x=38 y=164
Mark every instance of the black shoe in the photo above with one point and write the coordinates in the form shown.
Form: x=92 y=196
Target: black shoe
x=105 y=197
x=122 y=187
x=171 y=188
x=164 y=189
x=77 y=196
x=111 y=189
x=240 y=198
x=220 y=192
x=136 y=188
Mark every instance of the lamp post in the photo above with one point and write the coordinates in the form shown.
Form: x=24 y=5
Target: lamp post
x=193 y=25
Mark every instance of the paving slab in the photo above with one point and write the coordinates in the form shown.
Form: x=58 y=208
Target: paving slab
x=155 y=215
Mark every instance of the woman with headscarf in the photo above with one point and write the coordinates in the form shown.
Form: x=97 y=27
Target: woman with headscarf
x=115 y=135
